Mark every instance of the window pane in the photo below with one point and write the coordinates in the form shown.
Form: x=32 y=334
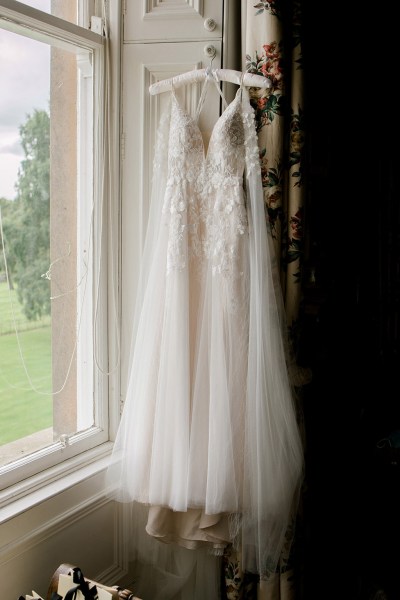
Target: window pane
x=46 y=181
x=65 y=9
x=44 y=5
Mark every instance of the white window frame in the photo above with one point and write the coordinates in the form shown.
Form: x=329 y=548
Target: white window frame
x=64 y=457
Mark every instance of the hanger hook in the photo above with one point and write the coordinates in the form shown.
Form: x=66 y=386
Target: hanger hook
x=211 y=52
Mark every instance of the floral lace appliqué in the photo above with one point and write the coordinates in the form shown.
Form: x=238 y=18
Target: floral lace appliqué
x=204 y=204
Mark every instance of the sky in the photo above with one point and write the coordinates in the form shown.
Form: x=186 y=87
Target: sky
x=24 y=86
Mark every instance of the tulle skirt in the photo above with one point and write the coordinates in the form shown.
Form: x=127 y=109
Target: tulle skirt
x=181 y=440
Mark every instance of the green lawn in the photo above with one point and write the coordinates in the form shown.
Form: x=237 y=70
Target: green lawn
x=23 y=410
x=11 y=309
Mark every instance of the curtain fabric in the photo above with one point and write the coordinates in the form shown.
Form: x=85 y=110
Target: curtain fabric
x=272 y=47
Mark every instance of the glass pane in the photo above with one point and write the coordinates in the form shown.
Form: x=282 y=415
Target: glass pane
x=65 y=9
x=44 y=5
x=46 y=389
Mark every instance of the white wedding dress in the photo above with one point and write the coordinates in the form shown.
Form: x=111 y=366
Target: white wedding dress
x=208 y=439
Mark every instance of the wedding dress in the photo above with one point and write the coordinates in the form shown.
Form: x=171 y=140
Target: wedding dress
x=208 y=439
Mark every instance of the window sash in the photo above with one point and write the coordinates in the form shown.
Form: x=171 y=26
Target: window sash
x=33 y=23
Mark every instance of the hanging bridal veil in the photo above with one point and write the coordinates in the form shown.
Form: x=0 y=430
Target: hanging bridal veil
x=271 y=46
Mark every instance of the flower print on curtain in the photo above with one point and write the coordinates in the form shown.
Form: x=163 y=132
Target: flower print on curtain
x=272 y=47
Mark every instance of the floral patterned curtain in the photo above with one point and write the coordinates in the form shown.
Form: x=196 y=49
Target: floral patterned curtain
x=272 y=47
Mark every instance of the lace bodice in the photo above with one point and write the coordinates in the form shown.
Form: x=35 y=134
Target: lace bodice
x=205 y=196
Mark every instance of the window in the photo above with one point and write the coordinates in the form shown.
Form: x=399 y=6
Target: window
x=53 y=321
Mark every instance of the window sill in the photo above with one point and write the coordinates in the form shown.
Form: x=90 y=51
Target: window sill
x=35 y=490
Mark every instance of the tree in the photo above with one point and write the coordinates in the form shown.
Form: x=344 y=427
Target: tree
x=6 y=207
x=26 y=223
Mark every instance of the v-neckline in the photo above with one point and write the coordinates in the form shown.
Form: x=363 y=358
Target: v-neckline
x=194 y=121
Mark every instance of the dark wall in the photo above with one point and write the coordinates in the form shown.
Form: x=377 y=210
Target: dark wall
x=351 y=335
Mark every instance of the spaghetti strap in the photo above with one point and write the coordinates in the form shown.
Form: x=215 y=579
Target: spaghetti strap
x=202 y=98
x=240 y=90
x=217 y=84
x=173 y=86
x=210 y=76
